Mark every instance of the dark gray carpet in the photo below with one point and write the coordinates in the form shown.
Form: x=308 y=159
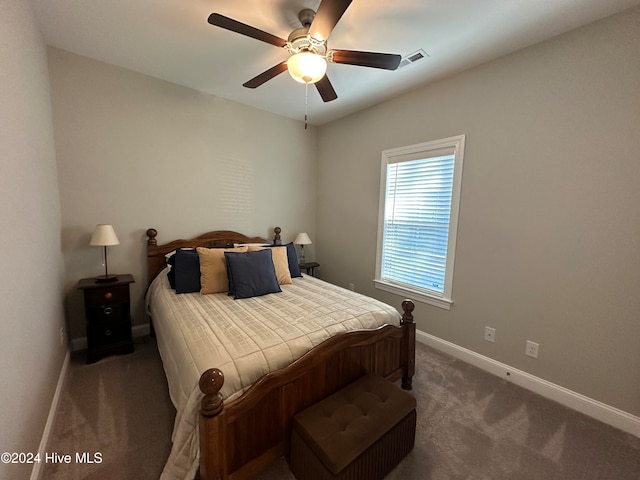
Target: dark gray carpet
x=471 y=425
x=118 y=407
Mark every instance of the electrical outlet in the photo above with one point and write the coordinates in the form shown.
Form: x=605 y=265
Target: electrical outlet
x=532 y=349
x=352 y=287
x=490 y=334
x=62 y=336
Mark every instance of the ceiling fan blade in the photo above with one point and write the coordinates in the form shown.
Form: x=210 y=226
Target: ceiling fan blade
x=267 y=75
x=386 y=61
x=243 y=29
x=325 y=89
x=327 y=16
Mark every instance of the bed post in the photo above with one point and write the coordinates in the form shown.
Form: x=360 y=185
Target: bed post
x=276 y=238
x=152 y=233
x=212 y=452
x=409 y=343
x=154 y=263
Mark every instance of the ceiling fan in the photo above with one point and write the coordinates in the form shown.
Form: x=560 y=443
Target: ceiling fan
x=307 y=47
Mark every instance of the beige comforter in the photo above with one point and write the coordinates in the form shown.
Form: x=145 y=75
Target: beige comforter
x=245 y=339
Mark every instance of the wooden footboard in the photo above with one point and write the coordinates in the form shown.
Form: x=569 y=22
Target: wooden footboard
x=240 y=438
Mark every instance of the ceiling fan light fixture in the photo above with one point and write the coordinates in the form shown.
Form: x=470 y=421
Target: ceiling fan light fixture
x=307 y=67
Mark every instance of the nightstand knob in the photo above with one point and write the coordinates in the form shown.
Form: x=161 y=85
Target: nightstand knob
x=107 y=310
x=108 y=332
x=108 y=296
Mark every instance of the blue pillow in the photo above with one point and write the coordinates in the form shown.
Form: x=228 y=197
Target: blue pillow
x=187 y=271
x=292 y=256
x=251 y=274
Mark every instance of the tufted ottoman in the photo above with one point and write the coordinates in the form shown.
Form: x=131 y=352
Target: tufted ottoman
x=360 y=432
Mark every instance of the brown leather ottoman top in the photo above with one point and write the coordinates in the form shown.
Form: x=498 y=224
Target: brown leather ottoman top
x=345 y=424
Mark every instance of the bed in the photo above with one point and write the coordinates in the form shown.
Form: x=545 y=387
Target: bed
x=236 y=391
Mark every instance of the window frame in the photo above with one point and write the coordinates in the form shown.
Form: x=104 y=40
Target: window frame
x=413 y=152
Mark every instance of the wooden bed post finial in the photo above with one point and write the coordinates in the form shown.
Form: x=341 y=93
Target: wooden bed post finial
x=407 y=308
x=276 y=239
x=152 y=233
x=211 y=382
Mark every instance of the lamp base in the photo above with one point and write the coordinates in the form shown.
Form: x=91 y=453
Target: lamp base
x=106 y=278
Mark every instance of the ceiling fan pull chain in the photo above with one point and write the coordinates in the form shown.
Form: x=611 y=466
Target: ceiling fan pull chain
x=306 y=97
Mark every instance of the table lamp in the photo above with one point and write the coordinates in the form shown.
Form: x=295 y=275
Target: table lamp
x=104 y=236
x=302 y=239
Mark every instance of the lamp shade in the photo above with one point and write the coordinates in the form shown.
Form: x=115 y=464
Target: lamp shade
x=306 y=67
x=302 y=239
x=104 y=236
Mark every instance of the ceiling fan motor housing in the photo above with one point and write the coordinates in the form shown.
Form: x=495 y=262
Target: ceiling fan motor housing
x=299 y=41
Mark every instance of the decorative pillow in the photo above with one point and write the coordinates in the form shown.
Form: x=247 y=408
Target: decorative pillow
x=171 y=274
x=292 y=256
x=280 y=262
x=294 y=266
x=213 y=270
x=252 y=274
x=186 y=271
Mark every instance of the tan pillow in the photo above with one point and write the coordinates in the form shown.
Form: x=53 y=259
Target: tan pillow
x=280 y=261
x=213 y=269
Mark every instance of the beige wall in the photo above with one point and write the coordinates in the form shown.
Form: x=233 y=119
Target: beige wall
x=31 y=311
x=138 y=152
x=549 y=234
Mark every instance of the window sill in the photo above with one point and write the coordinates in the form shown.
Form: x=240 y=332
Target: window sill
x=415 y=295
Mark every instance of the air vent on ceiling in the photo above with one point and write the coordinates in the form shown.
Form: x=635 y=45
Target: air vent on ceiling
x=413 y=58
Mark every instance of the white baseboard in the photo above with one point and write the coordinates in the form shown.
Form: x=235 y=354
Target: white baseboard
x=137 y=331
x=600 y=411
x=44 y=442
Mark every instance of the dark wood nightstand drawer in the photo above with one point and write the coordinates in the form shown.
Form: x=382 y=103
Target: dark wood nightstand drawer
x=108 y=312
x=106 y=333
x=107 y=295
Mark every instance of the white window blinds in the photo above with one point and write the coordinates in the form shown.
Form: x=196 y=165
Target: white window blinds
x=418 y=219
x=416 y=225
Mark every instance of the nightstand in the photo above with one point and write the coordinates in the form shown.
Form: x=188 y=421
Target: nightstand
x=309 y=267
x=107 y=308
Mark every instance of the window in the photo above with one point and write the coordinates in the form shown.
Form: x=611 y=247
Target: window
x=419 y=197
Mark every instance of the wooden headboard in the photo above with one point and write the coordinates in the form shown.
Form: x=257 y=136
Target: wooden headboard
x=156 y=260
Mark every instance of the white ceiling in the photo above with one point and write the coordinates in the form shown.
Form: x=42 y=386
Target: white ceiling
x=171 y=40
